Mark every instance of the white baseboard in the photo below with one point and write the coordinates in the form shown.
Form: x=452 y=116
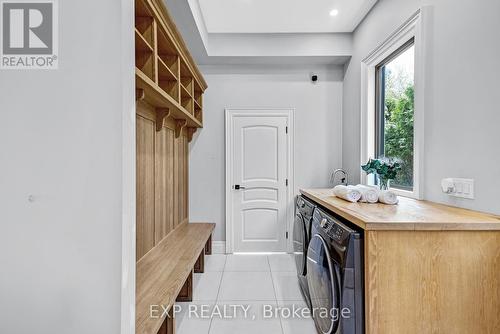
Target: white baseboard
x=218 y=247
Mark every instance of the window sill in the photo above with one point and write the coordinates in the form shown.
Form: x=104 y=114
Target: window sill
x=405 y=193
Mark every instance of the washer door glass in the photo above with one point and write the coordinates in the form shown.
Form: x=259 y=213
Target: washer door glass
x=299 y=243
x=323 y=286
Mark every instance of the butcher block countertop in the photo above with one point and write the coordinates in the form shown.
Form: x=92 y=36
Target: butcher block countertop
x=408 y=214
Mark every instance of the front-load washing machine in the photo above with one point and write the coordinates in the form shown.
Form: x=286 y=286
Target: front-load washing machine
x=301 y=235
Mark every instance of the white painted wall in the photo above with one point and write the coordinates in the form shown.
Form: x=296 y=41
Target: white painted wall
x=317 y=134
x=67 y=138
x=280 y=45
x=189 y=20
x=462 y=116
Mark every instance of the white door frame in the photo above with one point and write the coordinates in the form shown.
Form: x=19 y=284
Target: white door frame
x=230 y=114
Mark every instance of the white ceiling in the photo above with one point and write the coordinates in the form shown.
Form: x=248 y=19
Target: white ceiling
x=283 y=16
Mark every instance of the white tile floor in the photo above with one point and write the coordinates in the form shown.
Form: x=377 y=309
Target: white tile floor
x=233 y=284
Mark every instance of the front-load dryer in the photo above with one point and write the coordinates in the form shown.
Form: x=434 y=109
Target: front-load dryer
x=335 y=275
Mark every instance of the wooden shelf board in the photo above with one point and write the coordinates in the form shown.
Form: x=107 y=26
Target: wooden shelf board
x=141 y=43
x=187 y=82
x=185 y=91
x=164 y=71
x=155 y=96
x=197 y=104
x=166 y=23
x=165 y=46
x=144 y=24
x=185 y=71
x=141 y=10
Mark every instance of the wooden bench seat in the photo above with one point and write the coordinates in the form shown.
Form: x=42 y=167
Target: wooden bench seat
x=165 y=273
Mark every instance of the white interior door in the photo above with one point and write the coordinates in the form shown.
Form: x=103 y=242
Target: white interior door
x=259 y=160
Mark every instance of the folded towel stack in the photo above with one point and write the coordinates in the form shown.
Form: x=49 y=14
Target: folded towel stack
x=365 y=194
x=349 y=193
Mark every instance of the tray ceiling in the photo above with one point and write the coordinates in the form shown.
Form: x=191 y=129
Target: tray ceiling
x=283 y=16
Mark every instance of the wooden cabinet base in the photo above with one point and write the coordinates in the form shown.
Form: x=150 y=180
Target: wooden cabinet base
x=432 y=282
x=168 y=326
x=186 y=293
x=208 y=246
x=199 y=266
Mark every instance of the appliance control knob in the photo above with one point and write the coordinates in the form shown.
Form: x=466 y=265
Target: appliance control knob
x=323 y=223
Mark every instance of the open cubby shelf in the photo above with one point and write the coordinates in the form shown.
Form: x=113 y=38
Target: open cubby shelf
x=198 y=115
x=165 y=73
x=167 y=68
x=185 y=92
x=141 y=43
x=142 y=9
x=197 y=104
x=144 y=62
x=161 y=100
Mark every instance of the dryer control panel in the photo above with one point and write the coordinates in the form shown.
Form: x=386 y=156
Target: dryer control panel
x=332 y=227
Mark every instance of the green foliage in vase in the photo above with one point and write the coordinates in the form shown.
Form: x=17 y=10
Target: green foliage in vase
x=385 y=168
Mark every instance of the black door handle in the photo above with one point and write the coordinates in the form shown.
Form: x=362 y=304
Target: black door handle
x=238 y=187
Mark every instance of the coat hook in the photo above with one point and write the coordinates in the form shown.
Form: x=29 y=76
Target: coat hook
x=139 y=94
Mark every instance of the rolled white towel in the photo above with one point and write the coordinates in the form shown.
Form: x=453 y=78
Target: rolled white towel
x=349 y=193
x=388 y=197
x=368 y=194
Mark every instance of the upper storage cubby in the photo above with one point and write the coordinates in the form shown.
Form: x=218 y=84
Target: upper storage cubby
x=166 y=75
x=198 y=102
x=187 y=88
x=144 y=40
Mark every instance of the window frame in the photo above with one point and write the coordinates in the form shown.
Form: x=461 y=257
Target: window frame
x=415 y=28
x=380 y=101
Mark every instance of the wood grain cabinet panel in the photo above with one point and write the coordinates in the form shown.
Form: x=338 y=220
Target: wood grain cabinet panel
x=180 y=190
x=186 y=178
x=432 y=282
x=162 y=179
x=164 y=190
x=175 y=184
x=145 y=212
x=183 y=179
x=162 y=186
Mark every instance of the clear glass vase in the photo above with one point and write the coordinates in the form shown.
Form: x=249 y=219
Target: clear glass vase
x=384 y=183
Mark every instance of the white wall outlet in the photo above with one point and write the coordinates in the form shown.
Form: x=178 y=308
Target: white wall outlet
x=457 y=187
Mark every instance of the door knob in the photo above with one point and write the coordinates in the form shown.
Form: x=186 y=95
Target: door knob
x=238 y=187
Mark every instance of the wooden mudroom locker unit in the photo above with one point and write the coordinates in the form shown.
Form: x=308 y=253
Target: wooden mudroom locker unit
x=169 y=89
x=169 y=111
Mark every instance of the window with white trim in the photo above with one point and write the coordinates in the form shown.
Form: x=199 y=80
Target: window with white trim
x=394 y=110
x=392 y=105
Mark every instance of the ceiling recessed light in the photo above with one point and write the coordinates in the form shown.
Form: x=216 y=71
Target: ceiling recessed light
x=334 y=12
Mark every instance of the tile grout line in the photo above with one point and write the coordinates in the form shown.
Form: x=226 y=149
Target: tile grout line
x=274 y=290
x=221 y=278
x=272 y=279
x=218 y=290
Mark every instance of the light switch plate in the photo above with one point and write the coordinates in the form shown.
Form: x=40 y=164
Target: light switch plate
x=463 y=188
